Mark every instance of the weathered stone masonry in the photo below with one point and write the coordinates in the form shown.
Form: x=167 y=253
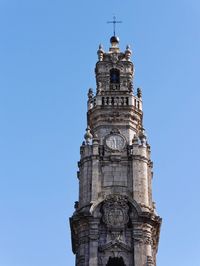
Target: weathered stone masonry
x=115 y=222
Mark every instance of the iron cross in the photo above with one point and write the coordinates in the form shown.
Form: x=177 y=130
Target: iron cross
x=114 y=23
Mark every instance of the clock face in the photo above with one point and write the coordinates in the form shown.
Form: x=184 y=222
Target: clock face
x=115 y=142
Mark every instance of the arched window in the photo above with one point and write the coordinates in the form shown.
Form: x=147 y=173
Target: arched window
x=114 y=76
x=115 y=262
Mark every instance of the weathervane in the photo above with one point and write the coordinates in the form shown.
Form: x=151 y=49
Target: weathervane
x=114 y=23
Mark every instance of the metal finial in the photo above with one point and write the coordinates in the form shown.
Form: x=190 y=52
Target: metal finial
x=114 y=22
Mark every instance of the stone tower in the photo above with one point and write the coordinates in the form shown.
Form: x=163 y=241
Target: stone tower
x=115 y=222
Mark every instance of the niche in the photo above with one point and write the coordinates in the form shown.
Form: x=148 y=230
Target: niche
x=114 y=76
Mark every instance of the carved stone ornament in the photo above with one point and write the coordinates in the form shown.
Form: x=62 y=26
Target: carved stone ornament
x=114 y=57
x=115 y=142
x=115 y=211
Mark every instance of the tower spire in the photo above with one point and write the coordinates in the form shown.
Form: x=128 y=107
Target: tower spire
x=114 y=22
x=115 y=221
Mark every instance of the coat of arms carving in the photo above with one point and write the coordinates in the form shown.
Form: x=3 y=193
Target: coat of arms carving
x=115 y=211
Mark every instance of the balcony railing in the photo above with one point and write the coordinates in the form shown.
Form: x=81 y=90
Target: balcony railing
x=115 y=101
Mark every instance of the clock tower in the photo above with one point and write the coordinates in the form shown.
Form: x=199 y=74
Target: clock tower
x=115 y=222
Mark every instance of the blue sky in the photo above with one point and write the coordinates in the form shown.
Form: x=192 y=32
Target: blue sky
x=47 y=58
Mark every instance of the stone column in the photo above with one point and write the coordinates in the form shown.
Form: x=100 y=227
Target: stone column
x=142 y=244
x=140 y=175
x=93 y=246
x=95 y=170
x=148 y=244
x=137 y=243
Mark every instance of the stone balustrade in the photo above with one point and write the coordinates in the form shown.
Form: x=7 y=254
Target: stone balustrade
x=115 y=101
